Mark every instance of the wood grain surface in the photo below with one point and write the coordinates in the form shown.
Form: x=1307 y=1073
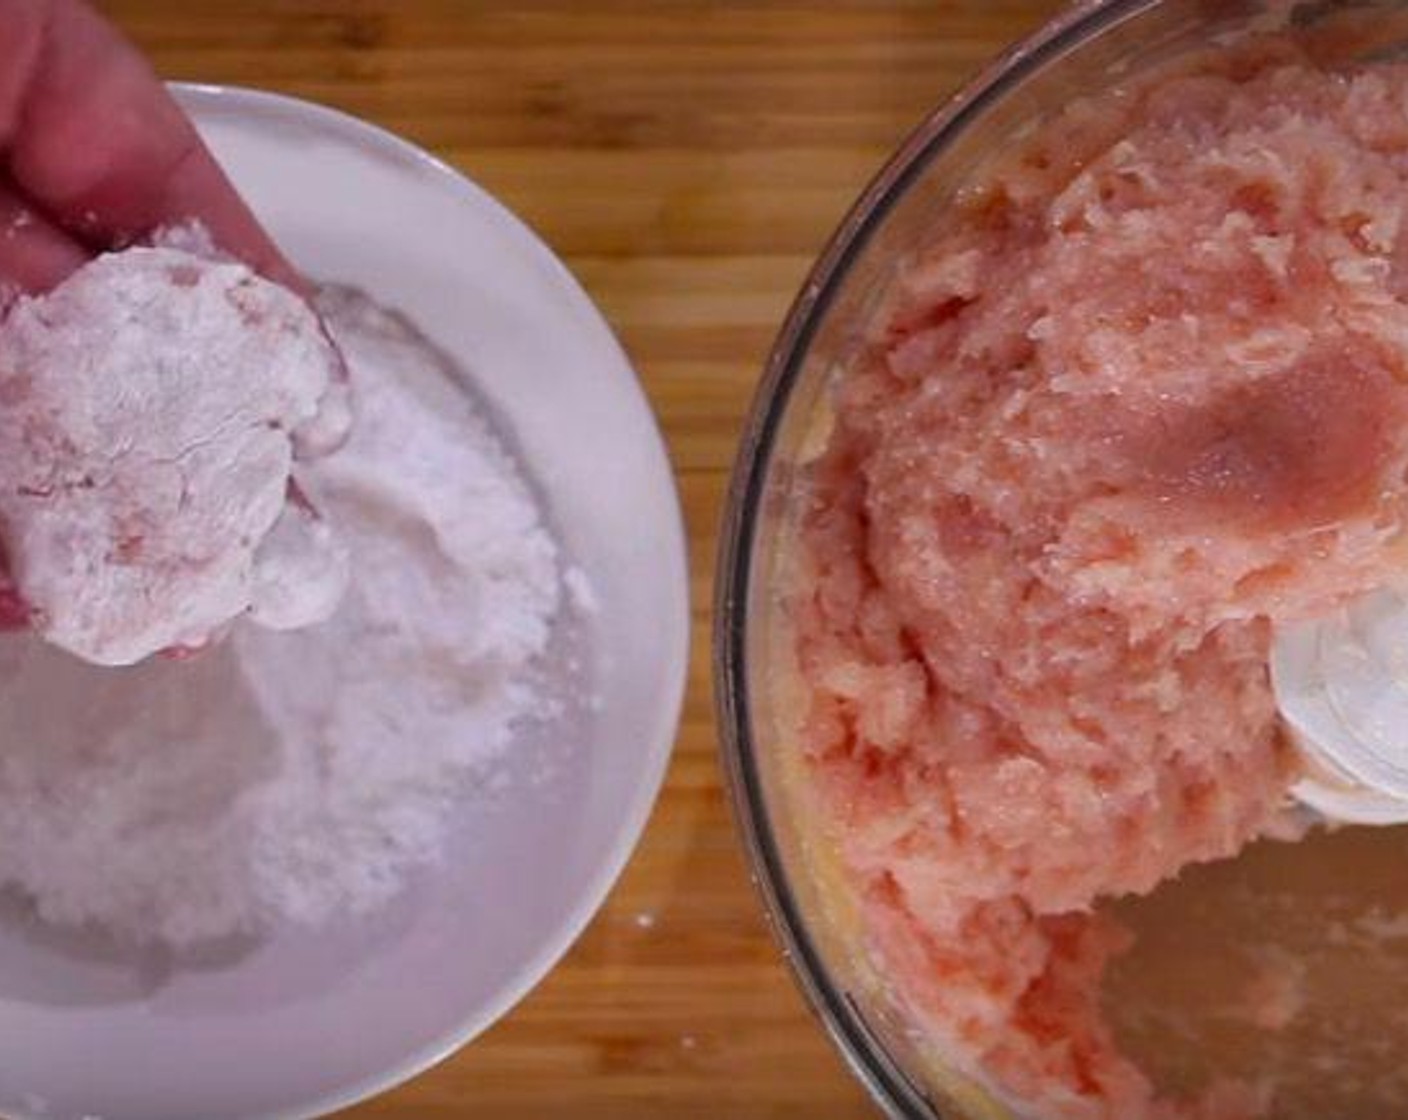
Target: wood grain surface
x=687 y=158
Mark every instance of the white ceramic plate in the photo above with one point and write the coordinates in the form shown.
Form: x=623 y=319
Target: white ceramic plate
x=306 y=1023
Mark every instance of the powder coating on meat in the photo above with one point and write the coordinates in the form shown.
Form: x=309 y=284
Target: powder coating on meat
x=148 y=409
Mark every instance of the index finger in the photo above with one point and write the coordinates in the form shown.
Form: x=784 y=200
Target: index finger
x=94 y=138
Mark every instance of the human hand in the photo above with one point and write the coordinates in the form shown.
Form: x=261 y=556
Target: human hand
x=95 y=154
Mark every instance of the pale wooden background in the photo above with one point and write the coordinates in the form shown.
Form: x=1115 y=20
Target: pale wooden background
x=687 y=158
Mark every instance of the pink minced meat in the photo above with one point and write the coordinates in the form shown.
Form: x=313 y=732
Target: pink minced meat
x=149 y=411
x=1141 y=395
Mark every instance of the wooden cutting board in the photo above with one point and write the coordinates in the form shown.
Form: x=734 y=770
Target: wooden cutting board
x=687 y=158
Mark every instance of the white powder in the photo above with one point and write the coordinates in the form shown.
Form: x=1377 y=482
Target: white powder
x=583 y=594
x=301 y=571
x=148 y=420
x=298 y=776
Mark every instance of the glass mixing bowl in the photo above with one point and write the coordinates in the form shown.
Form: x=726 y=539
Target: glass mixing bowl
x=1336 y=903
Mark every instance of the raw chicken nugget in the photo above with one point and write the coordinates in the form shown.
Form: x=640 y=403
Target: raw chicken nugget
x=148 y=408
